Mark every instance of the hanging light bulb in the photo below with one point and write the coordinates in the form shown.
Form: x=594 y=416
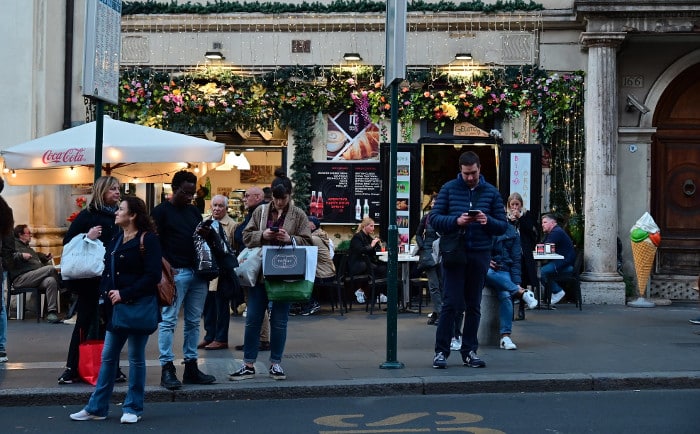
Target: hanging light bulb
x=14 y=175
x=196 y=168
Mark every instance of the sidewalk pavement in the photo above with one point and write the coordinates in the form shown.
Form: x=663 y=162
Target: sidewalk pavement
x=600 y=348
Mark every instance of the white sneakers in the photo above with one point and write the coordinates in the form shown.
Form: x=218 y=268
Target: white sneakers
x=84 y=415
x=360 y=295
x=507 y=343
x=529 y=299
x=556 y=297
x=383 y=298
x=129 y=418
x=456 y=344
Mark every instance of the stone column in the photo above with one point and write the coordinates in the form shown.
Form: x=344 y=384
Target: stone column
x=600 y=281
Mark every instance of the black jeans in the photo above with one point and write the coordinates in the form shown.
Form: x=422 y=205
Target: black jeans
x=87 y=319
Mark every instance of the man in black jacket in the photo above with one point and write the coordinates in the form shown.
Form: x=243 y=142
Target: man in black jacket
x=473 y=207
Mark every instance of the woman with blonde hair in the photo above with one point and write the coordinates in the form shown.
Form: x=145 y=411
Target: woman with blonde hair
x=96 y=221
x=364 y=246
x=525 y=223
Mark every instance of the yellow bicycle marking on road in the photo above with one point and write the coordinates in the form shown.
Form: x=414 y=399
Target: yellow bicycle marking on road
x=458 y=417
x=337 y=420
x=393 y=424
x=398 y=419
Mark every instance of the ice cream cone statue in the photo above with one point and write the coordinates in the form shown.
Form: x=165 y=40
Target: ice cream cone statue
x=645 y=238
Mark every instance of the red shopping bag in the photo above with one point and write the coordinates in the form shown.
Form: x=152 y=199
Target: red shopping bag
x=90 y=358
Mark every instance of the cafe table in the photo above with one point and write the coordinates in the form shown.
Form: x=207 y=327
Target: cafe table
x=539 y=257
x=404 y=259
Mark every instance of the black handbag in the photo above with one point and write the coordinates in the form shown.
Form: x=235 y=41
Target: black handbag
x=207 y=268
x=453 y=250
x=285 y=263
x=138 y=317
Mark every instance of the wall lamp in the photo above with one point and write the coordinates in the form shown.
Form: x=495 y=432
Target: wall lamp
x=352 y=57
x=214 y=55
x=463 y=56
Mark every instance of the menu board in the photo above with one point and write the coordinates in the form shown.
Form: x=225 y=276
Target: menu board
x=345 y=193
x=403 y=195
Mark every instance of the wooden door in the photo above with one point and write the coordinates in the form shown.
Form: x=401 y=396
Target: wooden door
x=675 y=177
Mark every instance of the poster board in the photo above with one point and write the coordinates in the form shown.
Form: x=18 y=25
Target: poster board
x=344 y=192
x=521 y=172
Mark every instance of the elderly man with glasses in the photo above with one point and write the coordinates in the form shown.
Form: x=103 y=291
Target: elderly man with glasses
x=31 y=269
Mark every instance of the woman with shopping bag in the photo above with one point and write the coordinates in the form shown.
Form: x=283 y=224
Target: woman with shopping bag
x=278 y=223
x=96 y=222
x=129 y=303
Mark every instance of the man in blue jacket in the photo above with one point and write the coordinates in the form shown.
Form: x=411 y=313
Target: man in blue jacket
x=462 y=284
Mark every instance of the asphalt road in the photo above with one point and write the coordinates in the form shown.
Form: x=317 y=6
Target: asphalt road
x=638 y=412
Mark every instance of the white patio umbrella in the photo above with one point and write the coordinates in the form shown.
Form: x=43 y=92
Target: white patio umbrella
x=130 y=152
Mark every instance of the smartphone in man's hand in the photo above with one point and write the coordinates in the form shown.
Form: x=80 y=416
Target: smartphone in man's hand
x=473 y=212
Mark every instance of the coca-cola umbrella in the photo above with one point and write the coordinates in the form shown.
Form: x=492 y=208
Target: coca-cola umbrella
x=130 y=152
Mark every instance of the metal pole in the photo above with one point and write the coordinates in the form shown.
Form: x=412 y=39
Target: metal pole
x=99 y=127
x=393 y=232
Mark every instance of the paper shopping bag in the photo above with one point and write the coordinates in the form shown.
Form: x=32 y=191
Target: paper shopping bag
x=293 y=290
x=89 y=360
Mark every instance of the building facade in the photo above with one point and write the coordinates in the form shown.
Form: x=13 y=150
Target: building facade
x=642 y=121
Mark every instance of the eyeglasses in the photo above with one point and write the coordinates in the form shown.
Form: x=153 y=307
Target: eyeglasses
x=28 y=233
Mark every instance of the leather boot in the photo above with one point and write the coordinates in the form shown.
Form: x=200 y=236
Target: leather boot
x=168 y=377
x=193 y=375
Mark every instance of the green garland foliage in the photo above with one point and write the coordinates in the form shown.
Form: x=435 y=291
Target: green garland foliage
x=337 y=6
x=216 y=100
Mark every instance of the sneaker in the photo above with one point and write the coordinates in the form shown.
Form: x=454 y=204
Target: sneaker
x=529 y=299
x=71 y=320
x=244 y=373
x=276 y=372
x=3 y=357
x=694 y=321
x=556 y=297
x=311 y=308
x=245 y=312
x=129 y=418
x=383 y=298
x=439 y=361
x=432 y=318
x=473 y=361
x=84 y=415
x=360 y=295
x=456 y=344
x=67 y=377
x=507 y=343
x=52 y=318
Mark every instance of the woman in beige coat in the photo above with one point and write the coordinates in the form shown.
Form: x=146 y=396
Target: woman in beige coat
x=276 y=223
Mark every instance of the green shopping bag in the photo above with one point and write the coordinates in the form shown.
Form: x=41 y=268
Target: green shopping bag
x=293 y=290
x=282 y=290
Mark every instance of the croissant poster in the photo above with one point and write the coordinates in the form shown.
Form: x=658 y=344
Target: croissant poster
x=350 y=138
x=345 y=193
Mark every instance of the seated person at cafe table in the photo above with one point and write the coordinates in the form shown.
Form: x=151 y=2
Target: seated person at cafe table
x=364 y=245
x=504 y=276
x=30 y=269
x=564 y=246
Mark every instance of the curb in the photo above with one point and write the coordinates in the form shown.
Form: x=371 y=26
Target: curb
x=370 y=387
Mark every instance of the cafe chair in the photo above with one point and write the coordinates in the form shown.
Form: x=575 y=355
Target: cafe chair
x=421 y=284
x=21 y=294
x=348 y=283
x=375 y=282
x=572 y=281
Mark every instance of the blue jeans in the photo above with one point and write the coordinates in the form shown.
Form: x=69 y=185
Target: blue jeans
x=3 y=316
x=133 y=403
x=191 y=293
x=217 y=317
x=462 y=292
x=279 y=314
x=551 y=269
x=500 y=281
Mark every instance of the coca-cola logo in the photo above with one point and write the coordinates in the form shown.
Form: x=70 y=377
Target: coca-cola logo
x=72 y=155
